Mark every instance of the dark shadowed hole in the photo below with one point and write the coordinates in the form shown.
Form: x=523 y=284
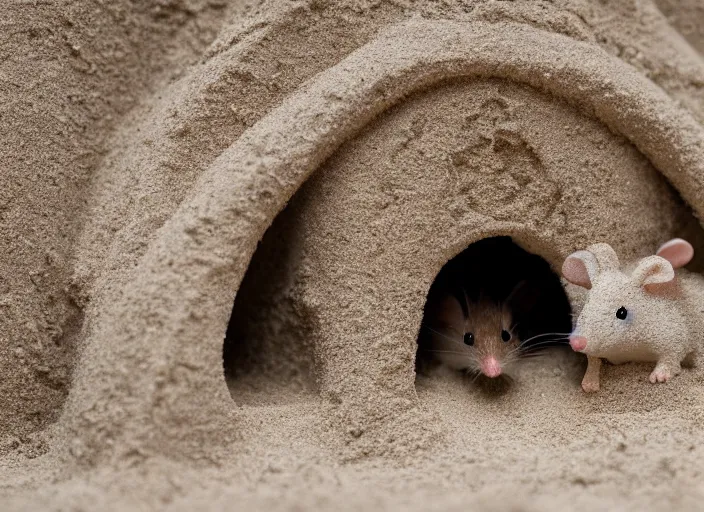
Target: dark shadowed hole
x=267 y=355
x=490 y=270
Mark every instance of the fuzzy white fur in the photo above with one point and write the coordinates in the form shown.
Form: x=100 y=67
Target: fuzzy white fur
x=663 y=323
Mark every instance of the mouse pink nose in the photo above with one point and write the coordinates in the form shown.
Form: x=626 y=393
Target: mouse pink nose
x=491 y=367
x=578 y=343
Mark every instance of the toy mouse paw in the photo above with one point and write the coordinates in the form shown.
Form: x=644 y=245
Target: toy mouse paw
x=590 y=386
x=660 y=375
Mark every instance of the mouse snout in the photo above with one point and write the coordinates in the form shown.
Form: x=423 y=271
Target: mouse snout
x=578 y=343
x=491 y=367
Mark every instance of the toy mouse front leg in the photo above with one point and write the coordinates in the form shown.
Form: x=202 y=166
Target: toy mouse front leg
x=590 y=382
x=664 y=370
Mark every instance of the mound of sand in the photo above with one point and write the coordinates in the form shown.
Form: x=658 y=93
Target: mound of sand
x=317 y=162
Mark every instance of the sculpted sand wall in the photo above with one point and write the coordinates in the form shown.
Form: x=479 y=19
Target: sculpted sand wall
x=69 y=73
x=188 y=272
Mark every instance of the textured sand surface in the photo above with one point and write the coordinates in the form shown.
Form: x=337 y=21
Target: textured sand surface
x=156 y=164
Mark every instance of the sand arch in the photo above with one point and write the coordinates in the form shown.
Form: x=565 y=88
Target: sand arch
x=169 y=317
x=467 y=160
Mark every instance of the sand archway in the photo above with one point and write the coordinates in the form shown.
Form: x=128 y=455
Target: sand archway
x=379 y=219
x=169 y=316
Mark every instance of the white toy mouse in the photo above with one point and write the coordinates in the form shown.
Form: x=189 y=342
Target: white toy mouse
x=648 y=313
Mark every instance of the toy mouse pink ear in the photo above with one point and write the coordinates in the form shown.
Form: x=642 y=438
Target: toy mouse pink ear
x=677 y=251
x=653 y=270
x=605 y=256
x=580 y=268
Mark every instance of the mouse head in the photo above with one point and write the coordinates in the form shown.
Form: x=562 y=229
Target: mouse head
x=621 y=310
x=489 y=338
x=476 y=335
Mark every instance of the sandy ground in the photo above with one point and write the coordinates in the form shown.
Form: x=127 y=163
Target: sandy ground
x=540 y=444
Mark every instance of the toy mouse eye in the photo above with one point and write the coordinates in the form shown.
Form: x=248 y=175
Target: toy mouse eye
x=505 y=335
x=621 y=313
x=468 y=338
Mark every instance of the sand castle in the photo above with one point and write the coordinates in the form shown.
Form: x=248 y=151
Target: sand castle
x=317 y=163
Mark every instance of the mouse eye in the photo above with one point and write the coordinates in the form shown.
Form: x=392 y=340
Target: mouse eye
x=621 y=313
x=505 y=335
x=468 y=338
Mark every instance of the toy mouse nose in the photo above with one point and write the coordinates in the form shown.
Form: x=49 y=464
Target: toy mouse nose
x=578 y=343
x=491 y=367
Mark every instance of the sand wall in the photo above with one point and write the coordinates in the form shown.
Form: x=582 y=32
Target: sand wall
x=70 y=71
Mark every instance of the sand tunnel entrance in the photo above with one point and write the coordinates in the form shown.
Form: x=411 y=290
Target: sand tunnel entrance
x=268 y=354
x=492 y=281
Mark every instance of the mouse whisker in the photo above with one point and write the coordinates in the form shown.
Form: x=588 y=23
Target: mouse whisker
x=556 y=339
x=560 y=334
x=523 y=348
x=442 y=335
x=476 y=376
x=509 y=359
x=513 y=351
x=475 y=361
x=526 y=349
x=513 y=355
x=548 y=334
x=446 y=352
x=537 y=355
x=542 y=345
x=553 y=339
x=533 y=353
x=471 y=370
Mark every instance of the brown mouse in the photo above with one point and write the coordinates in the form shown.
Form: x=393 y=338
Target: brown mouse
x=478 y=336
x=491 y=305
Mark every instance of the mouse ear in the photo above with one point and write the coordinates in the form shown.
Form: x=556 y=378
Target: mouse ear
x=583 y=267
x=523 y=296
x=605 y=256
x=580 y=268
x=448 y=312
x=677 y=251
x=653 y=270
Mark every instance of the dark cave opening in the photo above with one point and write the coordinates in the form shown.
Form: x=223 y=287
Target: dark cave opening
x=489 y=306
x=267 y=353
